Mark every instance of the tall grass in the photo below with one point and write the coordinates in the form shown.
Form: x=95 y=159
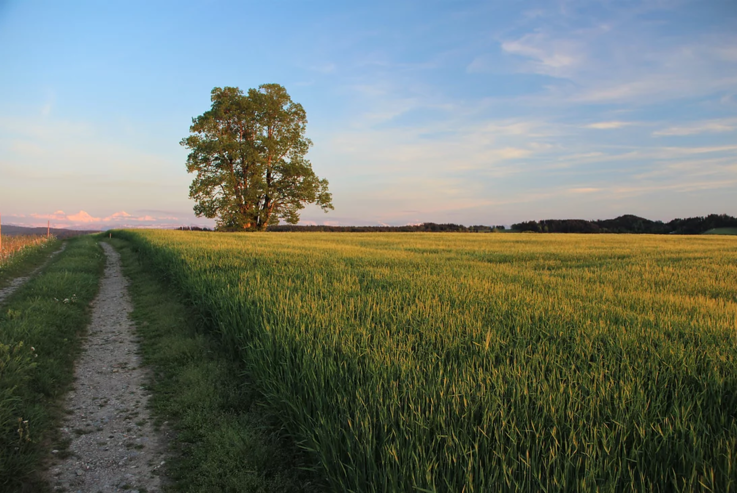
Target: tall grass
x=13 y=245
x=473 y=363
x=221 y=441
x=40 y=328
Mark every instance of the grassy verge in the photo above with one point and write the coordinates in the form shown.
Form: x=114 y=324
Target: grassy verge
x=222 y=440
x=23 y=262
x=40 y=329
x=722 y=231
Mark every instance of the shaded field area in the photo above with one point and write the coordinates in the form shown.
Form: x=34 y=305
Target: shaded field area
x=469 y=363
x=722 y=231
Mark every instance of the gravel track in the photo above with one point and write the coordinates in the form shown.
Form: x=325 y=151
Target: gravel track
x=114 y=446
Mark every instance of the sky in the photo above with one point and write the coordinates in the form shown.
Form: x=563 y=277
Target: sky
x=471 y=112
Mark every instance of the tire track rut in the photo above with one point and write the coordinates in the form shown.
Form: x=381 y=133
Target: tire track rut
x=114 y=446
x=20 y=281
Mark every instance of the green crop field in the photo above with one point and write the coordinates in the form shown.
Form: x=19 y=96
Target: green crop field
x=722 y=231
x=481 y=362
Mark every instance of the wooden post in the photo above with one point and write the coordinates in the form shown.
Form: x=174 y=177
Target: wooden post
x=1 y=233
x=48 y=229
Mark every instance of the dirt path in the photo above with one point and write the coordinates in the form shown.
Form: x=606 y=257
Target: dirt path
x=20 y=281
x=113 y=444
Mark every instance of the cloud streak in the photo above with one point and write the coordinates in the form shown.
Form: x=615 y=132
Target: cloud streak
x=610 y=125
x=83 y=220
x=624 y=59
x=716 y=126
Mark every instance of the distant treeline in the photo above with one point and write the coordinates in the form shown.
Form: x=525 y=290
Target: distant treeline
x=630 y=224
x=412 y=228
x=192 y=228
x=622 y=224
x=61 y=233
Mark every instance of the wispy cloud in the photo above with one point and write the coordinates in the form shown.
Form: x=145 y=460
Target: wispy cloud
x=86 y=221
x=610 y=125
x=625 y=61
x=584 y=190
x=677 y=187
x=547 y=54
x=714 y=126
x=666 y=152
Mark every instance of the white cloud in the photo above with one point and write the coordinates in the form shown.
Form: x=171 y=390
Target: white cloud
x=667 y=152
x=624 y=61
x=610 y=125
x=82 y=217
x=714 y=126
x=558 y=57
x=676 y=187
x=118 y=214
x=583 y=190
x=86 y=221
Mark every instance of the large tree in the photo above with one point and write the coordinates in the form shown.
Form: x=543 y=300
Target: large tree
x=248 y=153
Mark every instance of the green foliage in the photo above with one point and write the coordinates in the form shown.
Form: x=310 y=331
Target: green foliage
x=40 y=325
x=221 y=442
x=478 y=363
x=248 y=154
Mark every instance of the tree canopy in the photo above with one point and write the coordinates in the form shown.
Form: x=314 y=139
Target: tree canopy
x=248 y=153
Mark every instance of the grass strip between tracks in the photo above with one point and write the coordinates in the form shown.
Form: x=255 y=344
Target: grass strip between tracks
x=41 y=325
x=222 y=440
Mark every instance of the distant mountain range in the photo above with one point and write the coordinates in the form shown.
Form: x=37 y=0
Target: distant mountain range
x=10 y=230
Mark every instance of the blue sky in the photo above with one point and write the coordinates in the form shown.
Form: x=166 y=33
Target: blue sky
x=446 y=111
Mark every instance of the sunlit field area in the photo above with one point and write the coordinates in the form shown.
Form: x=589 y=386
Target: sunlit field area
x=12 y=245
x=481 y=362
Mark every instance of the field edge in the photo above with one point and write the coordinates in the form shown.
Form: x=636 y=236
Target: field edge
x=221 y=438
x=42 y=326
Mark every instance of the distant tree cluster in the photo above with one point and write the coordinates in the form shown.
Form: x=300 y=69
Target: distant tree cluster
x=622 y=224
x=629 y=224
x=192 y=228
x=412 y=228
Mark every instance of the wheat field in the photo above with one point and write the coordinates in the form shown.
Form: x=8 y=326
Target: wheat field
x=12 y=245
x=481 y=362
